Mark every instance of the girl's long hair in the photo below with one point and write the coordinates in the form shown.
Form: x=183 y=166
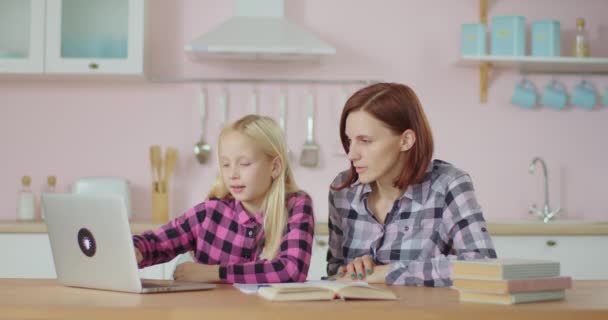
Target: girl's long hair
x=269 y=137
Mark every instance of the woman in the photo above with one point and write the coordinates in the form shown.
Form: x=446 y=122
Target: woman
x=397 y=216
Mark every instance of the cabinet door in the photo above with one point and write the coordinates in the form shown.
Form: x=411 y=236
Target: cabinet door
x=153 y=272
x=26 y=256
x=95 y=36
x=580 y=257
x=318 y=262
x=21 y=36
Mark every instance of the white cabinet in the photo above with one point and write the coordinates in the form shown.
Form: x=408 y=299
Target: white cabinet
x=29 y=255
x=581 y=257
x=22 y=36
x=153 y=272
x=26 y=256
x=72 y=36
x=94 y=36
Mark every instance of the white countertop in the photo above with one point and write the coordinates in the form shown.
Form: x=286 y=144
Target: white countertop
x=497 y=228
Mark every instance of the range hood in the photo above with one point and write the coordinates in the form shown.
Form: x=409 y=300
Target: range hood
x=258 y=31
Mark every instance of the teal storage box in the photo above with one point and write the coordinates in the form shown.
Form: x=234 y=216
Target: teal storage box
x=546 y=39
x=508 y=36
x=473 y=39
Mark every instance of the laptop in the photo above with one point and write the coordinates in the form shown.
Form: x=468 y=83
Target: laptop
x=92 y=245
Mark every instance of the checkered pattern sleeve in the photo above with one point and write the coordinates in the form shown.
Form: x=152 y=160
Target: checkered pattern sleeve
x=335 y=257
x=293 y=258
x=176 y=237
x=465 y=232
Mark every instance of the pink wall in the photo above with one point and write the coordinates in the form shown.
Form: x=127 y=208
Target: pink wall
x=79 y=126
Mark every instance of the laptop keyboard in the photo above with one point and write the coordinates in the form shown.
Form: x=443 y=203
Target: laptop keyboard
x=147 y=284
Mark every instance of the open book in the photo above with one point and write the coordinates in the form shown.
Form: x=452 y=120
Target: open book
x=325 y=290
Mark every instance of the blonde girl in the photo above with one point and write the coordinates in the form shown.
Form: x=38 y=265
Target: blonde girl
x=256 y=226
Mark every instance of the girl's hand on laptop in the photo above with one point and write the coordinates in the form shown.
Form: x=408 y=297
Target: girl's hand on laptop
x=192 y=271
x=138 y=256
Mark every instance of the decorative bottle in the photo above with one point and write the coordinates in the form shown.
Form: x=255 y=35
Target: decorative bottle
x=51 y=183
x=580 y=46
x=26 y=204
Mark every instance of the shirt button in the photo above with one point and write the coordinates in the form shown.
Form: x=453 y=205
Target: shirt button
x=249 y=233
x=246 y=256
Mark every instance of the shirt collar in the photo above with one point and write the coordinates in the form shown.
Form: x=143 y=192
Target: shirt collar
x=244 y=218
x=417 y=193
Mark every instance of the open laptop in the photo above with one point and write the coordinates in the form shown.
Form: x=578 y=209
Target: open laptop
x=93 y=248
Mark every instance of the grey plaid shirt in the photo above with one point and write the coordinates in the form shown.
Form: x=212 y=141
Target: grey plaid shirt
x=431 y=223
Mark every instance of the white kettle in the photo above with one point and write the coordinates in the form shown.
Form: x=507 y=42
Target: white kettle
x=105 y=186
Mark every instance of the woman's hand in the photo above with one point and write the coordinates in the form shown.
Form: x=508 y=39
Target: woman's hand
x=192 y=271
x=356 y=270
x=362 y=268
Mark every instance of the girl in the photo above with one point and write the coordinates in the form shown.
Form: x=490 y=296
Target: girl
x=256 y=225
x=396 y=216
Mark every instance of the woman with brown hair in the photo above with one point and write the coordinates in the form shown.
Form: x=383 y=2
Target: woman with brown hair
x=397 y=216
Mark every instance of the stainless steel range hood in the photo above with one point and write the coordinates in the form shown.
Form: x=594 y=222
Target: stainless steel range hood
x=258 y=31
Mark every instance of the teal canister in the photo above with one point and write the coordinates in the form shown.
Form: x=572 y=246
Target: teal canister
x=546 y=38
x=473 y=39
x=508 y=36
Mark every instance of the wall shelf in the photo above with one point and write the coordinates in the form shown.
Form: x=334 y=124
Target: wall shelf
x=529 y=64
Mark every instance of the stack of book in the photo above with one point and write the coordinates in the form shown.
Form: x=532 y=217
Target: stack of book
x=509 y=280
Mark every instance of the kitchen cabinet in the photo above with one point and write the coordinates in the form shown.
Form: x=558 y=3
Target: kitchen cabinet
x=72 y=36
x=26 y=256
x=22 y=36
x=318 y=262
x=29 y=255
x=581 y=257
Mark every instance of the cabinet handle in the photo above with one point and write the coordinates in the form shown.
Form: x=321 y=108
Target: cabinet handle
x=93 y=66
x=551 y=243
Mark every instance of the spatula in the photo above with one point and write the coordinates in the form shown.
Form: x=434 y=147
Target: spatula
x=310 y=151
x=283 y=120
x=202 y=149
x=170 y=161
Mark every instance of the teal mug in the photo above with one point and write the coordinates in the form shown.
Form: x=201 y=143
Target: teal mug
x=524 y=94
x=606 y=98
x=555 y=95
x=584 y=95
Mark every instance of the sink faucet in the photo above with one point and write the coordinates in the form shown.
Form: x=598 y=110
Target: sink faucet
x=546 y=213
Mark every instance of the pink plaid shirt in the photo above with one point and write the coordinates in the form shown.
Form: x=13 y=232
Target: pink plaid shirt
x=221 y=232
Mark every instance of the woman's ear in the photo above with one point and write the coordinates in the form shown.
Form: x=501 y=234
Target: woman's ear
x=408 y=139
x=277 y=167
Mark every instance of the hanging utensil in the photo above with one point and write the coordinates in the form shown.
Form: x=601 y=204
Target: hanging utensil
x=202 y=149
x=310 y=151
x=169 y=163
x=223 y=106
x=283 y=121
x=253 y=102
x=338 y=148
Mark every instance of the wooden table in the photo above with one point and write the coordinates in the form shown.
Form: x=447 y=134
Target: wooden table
x=46 y=299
